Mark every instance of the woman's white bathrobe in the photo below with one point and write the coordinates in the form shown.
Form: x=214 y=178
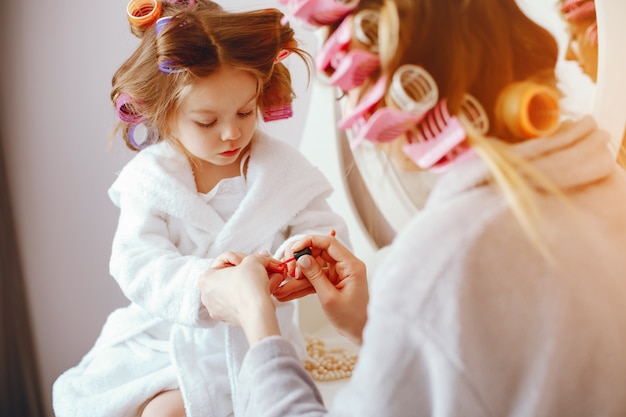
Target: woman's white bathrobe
x=467 y=319
x=167 y=236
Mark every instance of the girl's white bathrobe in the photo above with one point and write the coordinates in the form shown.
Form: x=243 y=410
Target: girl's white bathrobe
x=167 y=236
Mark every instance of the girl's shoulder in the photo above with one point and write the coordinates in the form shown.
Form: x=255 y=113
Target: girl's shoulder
x=278 y=154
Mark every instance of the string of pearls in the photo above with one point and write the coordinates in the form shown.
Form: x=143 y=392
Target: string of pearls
x=326 y=364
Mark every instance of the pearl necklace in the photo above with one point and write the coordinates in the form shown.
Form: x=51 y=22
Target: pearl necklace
x=328 y=364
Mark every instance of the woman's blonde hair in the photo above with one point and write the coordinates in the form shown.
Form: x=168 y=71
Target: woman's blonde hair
x=477 y=47
x=197 y=41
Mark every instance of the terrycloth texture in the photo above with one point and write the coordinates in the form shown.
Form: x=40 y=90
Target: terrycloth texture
x=467 y=319
x=167 y=236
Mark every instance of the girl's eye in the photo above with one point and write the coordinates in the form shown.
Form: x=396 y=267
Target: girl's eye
x=207 y=125
x=246 y=114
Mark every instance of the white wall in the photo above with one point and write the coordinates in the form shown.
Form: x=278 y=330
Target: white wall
x=56 y=120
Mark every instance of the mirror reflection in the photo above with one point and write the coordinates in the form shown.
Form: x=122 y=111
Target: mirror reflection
x=402 y=189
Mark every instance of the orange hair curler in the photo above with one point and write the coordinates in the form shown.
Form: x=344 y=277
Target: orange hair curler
x=143 y=13
x=528 y=109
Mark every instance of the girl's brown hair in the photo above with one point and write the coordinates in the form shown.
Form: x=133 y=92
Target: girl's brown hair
x=196 y=42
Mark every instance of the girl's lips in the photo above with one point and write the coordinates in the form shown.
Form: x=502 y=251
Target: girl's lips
x=230 y=153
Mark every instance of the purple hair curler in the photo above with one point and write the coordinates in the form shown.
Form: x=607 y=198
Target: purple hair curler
x=150 y=136
x=161 y=23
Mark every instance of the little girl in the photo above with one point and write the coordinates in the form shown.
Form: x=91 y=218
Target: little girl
x=205 y=182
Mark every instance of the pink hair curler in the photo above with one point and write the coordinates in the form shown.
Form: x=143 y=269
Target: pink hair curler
x=320 y=12
x=414 y=92
x=438 y=143
x=143 y=13
x=349 y=67
x=367 y=102
x=284 y=53
x=126 y=110
x=190 y=3
x=592 y=33
x=353 y=69
x=579 y=10
x=278 y=112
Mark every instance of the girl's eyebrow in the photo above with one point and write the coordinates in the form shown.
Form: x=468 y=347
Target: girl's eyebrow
x=210 y=111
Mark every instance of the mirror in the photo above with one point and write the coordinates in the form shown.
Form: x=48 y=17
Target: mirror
x=362 y=169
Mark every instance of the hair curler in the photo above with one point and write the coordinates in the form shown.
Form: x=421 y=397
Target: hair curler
x=438 y=140
x=285 y=52
x=148 y=136
x=277 y=112
x=320 y=12
x=126 y=110
x=413 y=92
x=368 y=101
x=348 y=67
x=528 y=109
x=143 y=13
x=161 y=23
x=579 y=10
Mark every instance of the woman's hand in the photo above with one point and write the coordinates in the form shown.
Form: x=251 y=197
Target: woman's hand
x=236 y=290
x=340 y=280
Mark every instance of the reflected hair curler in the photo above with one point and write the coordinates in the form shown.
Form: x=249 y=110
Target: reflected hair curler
x=320 y=12
x=528 y=109
x=438 y=141
x=579 y=10
x=349 y=67
x=413 y=92
x=143 y=13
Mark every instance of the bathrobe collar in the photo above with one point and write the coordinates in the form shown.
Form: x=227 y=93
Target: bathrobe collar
x=162 y=176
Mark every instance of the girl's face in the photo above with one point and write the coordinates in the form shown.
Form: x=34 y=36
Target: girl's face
x=217 y=117
x=581 y=49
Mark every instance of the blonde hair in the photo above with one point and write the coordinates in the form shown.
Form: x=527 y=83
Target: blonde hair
x=198 y=41
x=477 y=47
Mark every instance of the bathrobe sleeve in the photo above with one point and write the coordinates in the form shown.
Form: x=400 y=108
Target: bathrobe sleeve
x=151 y=271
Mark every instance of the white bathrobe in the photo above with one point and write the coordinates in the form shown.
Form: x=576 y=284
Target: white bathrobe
x=167 y=236
x=466 y=318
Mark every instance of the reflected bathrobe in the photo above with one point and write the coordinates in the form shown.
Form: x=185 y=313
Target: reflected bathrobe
x=167 y=236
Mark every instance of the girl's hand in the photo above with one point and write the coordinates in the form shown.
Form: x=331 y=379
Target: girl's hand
x=236 y=290
x=340 y=280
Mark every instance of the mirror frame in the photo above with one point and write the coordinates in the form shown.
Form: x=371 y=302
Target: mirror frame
x=610 y=100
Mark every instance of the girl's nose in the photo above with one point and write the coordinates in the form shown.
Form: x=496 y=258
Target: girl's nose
x=231 y=132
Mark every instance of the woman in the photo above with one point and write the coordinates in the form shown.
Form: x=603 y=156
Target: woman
x=504 y=295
